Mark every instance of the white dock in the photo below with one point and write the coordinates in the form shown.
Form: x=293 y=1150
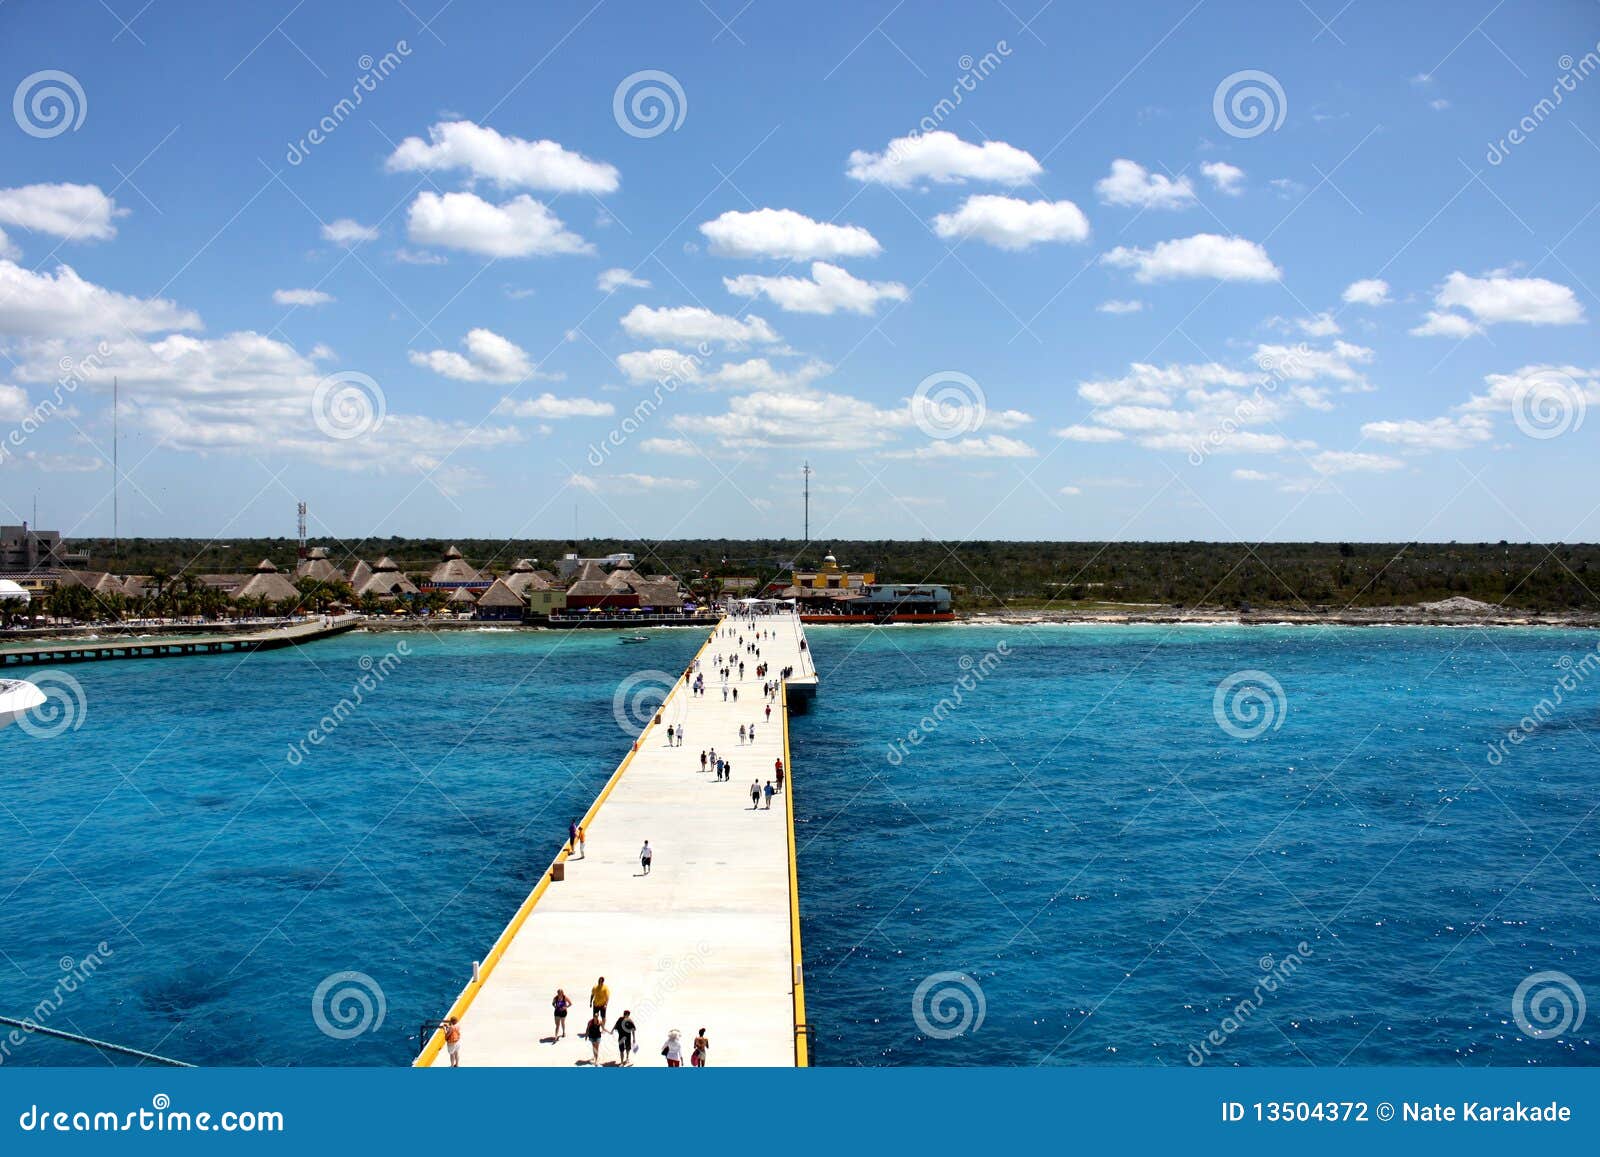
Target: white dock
x=711 y=936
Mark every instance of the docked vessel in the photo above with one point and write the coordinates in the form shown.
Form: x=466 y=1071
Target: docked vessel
x=17 y=698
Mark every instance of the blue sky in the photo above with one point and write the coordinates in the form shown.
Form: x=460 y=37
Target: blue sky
x=1095 y=297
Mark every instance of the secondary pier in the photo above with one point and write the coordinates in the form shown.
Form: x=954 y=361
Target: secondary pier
x=158 y=648
x=711 y=937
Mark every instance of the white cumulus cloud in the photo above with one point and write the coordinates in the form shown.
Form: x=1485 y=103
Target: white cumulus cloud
x=488 y=358
x=1367 y=291
x=1228 y=179
x=693 y=324
x=1492 y=300
x=1433 y=434
x=522 y=227
x=1205 y=255
x=301 y=297
x=346 y=232
x=786 y=234
x=828 y=290
x=550 y=407
x=612 y=280
x=74 y=212
x=1438 y=324
x=65 y=305
x=1130 y=183
x=1011 y=223
x=509 y=162
x=945 y=159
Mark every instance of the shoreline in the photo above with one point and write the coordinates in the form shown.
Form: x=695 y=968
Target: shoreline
x=1350 y=617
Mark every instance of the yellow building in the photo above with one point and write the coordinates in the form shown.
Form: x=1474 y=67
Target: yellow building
x=831 y=578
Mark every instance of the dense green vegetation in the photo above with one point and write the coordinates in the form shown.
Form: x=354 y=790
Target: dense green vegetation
x=1528 y=576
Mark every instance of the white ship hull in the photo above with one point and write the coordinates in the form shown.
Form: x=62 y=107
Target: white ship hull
x=17 y=698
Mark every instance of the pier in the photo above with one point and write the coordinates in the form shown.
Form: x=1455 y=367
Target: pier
x=711 y=936
x=53 y=654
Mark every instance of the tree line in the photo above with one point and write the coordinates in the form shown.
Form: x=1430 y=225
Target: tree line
x=986 y=574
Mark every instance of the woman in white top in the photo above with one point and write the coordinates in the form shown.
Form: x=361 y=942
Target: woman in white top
x=673 y=1049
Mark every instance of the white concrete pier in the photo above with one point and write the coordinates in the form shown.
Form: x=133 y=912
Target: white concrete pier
x=711 y=936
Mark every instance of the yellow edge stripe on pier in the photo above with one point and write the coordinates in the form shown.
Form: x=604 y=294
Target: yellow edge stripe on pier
x=802 y=1052
x=464 y=1001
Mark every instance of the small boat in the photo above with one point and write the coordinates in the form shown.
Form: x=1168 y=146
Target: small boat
x=17 y=697
x=635 y=638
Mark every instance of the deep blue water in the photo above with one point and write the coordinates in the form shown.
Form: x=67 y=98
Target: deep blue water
x=1108 y=867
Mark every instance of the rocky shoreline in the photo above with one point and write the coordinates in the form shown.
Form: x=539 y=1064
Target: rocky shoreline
x=1456 y=612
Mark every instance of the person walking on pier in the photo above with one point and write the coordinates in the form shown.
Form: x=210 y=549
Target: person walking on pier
x=671 y=731
x=583 y=845
x=626 y=1032
x=778 y=773
x=645 y=856
x=702 y=1045
x=755 y=794
x=560 y=1004
x=572 y=838
x=452 y=1041
x=594 y=1032
x=769 y=713
x=673 y=1049
x=741 y=735
x=702 y=760
x=599 y=997
x=768 y=792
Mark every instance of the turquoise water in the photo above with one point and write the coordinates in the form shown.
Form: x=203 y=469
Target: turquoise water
x=1108 y=870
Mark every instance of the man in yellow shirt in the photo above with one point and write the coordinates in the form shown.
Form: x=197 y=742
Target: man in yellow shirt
x=599 y=997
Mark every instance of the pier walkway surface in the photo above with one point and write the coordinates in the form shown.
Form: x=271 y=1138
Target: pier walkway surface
x=711 y=936
x=156 y=647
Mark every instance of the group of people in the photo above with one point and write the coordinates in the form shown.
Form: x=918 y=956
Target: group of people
x=624 y=1028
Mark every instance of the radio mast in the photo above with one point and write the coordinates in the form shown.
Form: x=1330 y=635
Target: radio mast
x=805 y=474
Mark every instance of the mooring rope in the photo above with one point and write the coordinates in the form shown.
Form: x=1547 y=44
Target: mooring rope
x=75 y=1038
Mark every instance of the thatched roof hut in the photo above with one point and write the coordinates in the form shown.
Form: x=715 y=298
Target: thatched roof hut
x=462 y=596
x=387 y=581
x=359 y=574
x=316 y=566
x=266 y=581
x=500 y=602
x=453 y=568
